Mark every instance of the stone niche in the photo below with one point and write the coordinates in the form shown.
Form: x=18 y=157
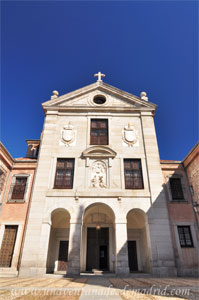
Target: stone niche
x=98 y=173
x=98 y=161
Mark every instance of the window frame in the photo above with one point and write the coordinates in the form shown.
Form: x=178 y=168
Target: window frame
x=97 y=130
x=172 y=190
x=56 y=186
x=12 y=185
x=184 y=236
x=184 y=184
x=132 y=187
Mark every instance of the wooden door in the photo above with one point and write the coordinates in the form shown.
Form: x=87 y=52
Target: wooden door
x=92 y=261
x=8 y=244
x=132 y=255
x=63 y=255
x=97 y=249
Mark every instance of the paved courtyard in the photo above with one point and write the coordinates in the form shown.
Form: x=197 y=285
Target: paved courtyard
x=98 y=288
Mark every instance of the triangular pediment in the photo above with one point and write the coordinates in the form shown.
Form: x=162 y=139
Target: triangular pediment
x=99 y=152
x=84 y=99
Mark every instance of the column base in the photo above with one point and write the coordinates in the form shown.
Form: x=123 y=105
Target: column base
x=164 y=271
x=122 y=271
x=73 y=272
x=32 y=272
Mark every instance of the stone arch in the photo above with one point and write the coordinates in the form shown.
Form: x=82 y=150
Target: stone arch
x=139 y=253
x=110 y=206
x=58 y=240
x=139 y=213
x=101 y=205
x=98 y=230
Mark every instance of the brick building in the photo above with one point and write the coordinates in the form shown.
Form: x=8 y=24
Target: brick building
x=191 y=164
x=16 y=180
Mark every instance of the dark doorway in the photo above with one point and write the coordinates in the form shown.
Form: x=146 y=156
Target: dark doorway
x=63 y=256
x=97 y=249
x=8 y=244
x=103 y=263
x=132 y=255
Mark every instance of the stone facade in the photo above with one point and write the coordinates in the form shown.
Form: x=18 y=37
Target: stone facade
x=66 y=134
x=133 y=220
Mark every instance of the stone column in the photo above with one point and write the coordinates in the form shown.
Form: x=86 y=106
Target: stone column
x=44 y=243
x=122 y=262
x=34 y=256
x=74 y=248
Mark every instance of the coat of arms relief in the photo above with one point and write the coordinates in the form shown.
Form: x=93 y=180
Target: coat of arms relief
x=68 y=134
x=130 y=136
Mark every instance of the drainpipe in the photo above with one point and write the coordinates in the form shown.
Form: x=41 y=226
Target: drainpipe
x=29 y=203
x=26 y=221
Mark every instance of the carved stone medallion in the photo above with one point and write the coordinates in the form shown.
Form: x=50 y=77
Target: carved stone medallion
x=129 y=135
x=68 y=134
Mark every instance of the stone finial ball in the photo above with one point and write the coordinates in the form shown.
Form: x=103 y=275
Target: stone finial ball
x=55 y=93
x=143 y=94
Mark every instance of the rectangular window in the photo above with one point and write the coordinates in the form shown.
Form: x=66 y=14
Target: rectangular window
x=133 y=174
x=185 y=237
x=64 y=173
x=176 y=189
x=19 y=188
x=99 y=132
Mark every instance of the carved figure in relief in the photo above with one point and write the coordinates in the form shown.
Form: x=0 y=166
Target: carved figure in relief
x=98 y=175
x=130 y=135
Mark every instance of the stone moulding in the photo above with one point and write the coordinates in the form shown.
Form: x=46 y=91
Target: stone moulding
x=99 y=152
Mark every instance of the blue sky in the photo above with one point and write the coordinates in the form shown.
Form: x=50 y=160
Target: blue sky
x=140 y=45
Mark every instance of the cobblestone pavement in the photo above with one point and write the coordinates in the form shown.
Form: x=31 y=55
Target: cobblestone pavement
x=98 y=288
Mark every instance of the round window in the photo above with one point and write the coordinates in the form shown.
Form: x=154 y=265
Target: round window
x=99 y=99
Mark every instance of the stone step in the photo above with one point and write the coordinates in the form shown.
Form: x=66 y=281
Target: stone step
x=8 y=272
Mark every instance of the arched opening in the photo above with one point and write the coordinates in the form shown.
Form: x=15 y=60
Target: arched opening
x=58 y=242
x=138 y=241
x=98 y=239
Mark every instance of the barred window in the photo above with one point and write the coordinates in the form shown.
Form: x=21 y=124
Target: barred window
x=64 y=173
x=99 y=132
x=19 y=188
x=133 y=174
x=185 y=237
x=176 y=188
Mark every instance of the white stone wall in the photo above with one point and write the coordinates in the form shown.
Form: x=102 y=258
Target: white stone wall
x=150 y=200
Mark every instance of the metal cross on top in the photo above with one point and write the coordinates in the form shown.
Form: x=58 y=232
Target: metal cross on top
x=99 y=75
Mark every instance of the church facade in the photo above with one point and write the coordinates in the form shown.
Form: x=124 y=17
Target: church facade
x=99 y=202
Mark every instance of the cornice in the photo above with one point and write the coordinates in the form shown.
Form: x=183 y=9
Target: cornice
x=54 y=104
x=56 y=109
